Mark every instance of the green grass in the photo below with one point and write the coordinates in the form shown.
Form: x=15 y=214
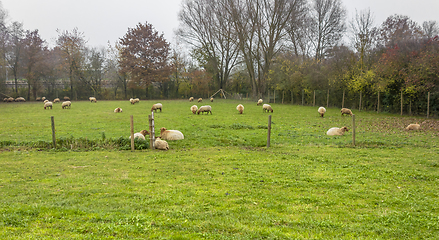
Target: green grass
x=221 y=182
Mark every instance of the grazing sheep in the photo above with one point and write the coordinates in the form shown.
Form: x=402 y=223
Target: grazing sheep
x=43 y=98
x=414 y=126
x=48 y=105
x=335 y=131
x=322 y=111
x=66 y=98
x=161 y=144
x=141 y=134
x=203 y=109
x=38 y=99
x=20 y=99
x=194 y=109
x=45 y=101
x=157 y=106
x=92 y=99
x=56 y=100
x=66 y=104
x=259 y=101
x=170 y=134
x=11 y=99
x=5 y=99
x=346 y=111
x=267 y=108
x=191 y=99
x=134 y=100
x=118 y=110
x=240 y=108
x=211 y=99
x=200 y=99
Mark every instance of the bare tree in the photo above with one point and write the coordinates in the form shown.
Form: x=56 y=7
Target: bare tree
x=430 y=28
x=15 y=50
x=328 y=19
x=362 y=33
x=397 y=30
x=3 y=40
x=33 y=47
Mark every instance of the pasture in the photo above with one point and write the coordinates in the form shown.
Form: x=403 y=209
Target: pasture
x=220 y=182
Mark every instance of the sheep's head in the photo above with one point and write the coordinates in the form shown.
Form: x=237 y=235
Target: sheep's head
x=344 y=129
x=144 y=132
x=162 y=130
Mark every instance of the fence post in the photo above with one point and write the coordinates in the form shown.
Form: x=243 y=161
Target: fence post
x=361 y=95
x=353 y=129
x=342 y=101
x=274 y=92
x=132 y=132
x=151 y=131
x=378 y=107
x=327 y=99
x=292 y=97
x=53 y=131
x=269 y=131
x=314 y=99
x=428 y=105
x=401 y=103
x=268 y=96
x=283 y=95
x=303 y=97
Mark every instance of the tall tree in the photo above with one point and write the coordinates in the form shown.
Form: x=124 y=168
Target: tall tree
x=72 y=45
x=15 y=50
x=94 y=69
x=398 y=30
x=4 y=35
x=144 y=55
x=430 y=28
x=362 y=33
x=328 y=19
x=33 y=46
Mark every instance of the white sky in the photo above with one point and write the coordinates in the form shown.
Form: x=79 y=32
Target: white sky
x=108 y=20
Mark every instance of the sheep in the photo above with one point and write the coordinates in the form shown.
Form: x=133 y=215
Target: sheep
x=11 y=99
x=141 y=134
x=56 y=100
x=48 y=105
x=43 y=98
x=211 y=99
x=92 y=99
x=171 y=134
x=66 y=98
x=335 y=131
x=194 y=109
x=156 y=106
x=414 y=126
x=66 y=104
x=259 y=101
x=267 y=108
x=5 y=99
x=191 y=99
x=38 y=99
x=203 y=109
x=240 y=108
x=346 y=111
x=161 y=144
x=322 y=111
x=20 y=99
x=200 y=99
x=118 y=110
x=46 y=101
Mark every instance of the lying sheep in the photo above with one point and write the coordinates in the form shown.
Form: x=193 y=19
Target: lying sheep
x=211 y=99
x=203 y=109
x=240 y=108
x=161 y=144
x=267 y=108
x=157 y=106
x=335 y=131
x=118 y=110
x=346 y=111
x=170 y=134
x=200 y=99
x=322 y=111
x=48 y=105
x=191 y=99
x=414 y=126
x=92 y=99
x=66 y=104
x=194 y=109
x=259 y=101
x=56 y=100
x=141 y=134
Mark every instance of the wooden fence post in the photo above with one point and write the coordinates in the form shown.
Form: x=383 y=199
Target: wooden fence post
x=283 y=95
x=314 y=99
x=353 y=129
x=274 y=92
x=428 y=105
x=378 y=105
x=327 y=99
x=151 y=131
x=132 y=132
x=269 y=131
x=342 y=101
x=53 y=131
x=401 y=103
x=268 y=96
x=303 y=97
x=292 y=97
x=361 y=96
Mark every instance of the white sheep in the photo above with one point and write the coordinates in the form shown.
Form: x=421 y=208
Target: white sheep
x=56 y=100
x=171 y=134
x=194 y=109
x=211 y=99
x=240 y=108
x=413 y=126
x=191 y=99
x=200 y=99
x=259 y=101
x=92 y=99
x=134 y=100
x=20 y=99
x=157 y=106
x=118 y=110
x=66 y=104
x=335 y=131
x=65 y=98
x=48 y=105
x=346 y=111
x=46 y=101
x=267 y=108
x=141 y=134
x=203 y=109
x=322 y=111
x=161 y=144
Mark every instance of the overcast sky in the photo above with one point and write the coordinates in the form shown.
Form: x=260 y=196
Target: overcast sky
x=108 y=20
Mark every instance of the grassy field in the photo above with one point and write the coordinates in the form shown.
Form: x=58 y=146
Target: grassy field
x=220 y=182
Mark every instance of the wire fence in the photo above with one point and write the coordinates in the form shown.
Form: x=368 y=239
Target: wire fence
x=426 y=104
